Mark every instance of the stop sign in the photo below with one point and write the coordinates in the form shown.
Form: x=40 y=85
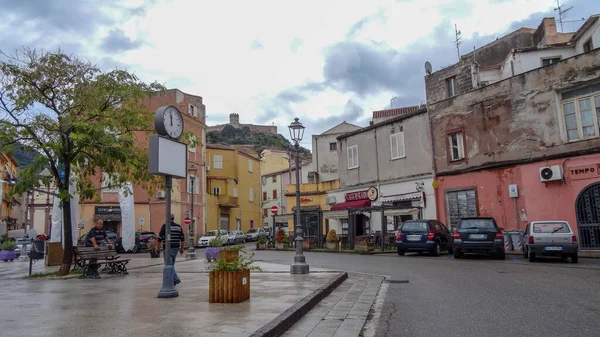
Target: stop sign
x=187 y=221
x=274 y=210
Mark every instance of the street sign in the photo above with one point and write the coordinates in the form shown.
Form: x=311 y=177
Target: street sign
x=187 y=213
x=141 y=221
x=80 y=225
x=187 y=221
x=274 y=210
x=512 y=191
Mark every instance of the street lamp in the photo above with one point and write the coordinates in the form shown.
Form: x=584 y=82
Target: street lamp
x=191 y=250
x=299 y=266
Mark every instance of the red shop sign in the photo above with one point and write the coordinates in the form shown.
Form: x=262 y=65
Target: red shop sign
x=584 y=171
x=354 y=196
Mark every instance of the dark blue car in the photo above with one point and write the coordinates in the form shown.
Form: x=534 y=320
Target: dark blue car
x=427 y=236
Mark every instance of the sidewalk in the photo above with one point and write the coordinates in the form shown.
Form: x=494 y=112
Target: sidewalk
x=343 y=313
x=128 y=305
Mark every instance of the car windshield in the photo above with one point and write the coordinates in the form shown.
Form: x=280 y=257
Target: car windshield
x=253 y=230
x=551 y=227
x=476 y=224
x=414 y=227
x=211 y=233
x=111 y=235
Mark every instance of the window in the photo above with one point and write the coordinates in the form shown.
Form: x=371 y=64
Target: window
x=588 y=45
x=581 y=111
x=457 y=149
x=249 y=165
x=234 y=194
x=196 y=184
x=109 y=183
x=264 y=196
x=274 y=179
x=397 y=145
x=193 y=111
x=332 y=146
x=460 y=204
x=274 y=194
x=451 y=86
x=217 y=162
x=251 y=194
x=216 y=191
x=352 y=156
x=550 y=60
x=265 y=212
x=251 y=223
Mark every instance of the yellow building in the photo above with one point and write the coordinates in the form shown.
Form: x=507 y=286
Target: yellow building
x=8 y=171
x=233 y=188
x=313 y=200
x=272 y=160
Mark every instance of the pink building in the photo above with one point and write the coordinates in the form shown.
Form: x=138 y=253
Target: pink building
x=521 y=145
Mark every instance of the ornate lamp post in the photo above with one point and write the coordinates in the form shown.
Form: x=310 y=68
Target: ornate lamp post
x=191 y=250
x=299 y=266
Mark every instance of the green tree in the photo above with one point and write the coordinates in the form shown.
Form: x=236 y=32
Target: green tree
x=81 y=121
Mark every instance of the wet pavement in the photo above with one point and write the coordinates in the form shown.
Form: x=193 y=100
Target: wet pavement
x=128 y=305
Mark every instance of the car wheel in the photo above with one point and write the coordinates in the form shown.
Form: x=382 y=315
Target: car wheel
x=400 y=252
x=524 y=253
x=457 y=254
x=574 y=258
x=436 y=250
x=531 y=256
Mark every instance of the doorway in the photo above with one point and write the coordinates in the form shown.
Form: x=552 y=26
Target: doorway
x=587 y=212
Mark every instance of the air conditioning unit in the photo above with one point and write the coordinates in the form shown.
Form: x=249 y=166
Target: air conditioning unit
x=551 y=173
x=160 y=194
x=330 y=200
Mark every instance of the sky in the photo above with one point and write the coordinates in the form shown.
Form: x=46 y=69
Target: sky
x=324 y=62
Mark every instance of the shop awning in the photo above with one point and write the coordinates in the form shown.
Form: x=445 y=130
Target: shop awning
x=351 y=204
x=402 y=197
x=405 y=211
x=341 y=214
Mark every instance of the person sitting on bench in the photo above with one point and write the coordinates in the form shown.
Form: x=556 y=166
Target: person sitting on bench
x=96 y=234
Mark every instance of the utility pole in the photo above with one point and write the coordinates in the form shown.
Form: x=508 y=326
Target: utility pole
x=458 y=40
x=561 y=13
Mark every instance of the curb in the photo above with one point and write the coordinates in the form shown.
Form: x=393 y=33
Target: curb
x=583 y=255
x=331 y=251
x=280 y=324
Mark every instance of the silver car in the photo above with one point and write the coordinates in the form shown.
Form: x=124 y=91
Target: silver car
x=207 y=238
x=253 y=234
x=236 y=237
x=550 y=238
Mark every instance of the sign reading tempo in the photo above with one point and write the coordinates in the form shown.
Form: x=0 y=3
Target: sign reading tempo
x=584 y=172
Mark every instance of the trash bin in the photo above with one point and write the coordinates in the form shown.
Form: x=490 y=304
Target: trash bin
x=516 y=237
x=508 y=245
x=39 y=246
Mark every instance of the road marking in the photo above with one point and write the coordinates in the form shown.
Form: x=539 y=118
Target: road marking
x=592 y=261
x=514 y=258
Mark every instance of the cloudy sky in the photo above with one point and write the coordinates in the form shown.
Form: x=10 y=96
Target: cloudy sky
x=324 y=61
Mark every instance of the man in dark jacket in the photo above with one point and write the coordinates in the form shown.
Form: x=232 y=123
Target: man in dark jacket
x=96 y=235
x=177 y=241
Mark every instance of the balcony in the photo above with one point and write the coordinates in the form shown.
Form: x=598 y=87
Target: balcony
x=227 y=201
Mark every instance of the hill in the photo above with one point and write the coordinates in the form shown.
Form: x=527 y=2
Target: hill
x=244 y=136
x=22 y=155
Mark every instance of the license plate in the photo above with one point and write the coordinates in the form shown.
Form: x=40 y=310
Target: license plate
x=413 y=237
x=553 y=248
x=477 y=236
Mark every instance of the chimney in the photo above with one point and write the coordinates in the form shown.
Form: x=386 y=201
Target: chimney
x=546 y=32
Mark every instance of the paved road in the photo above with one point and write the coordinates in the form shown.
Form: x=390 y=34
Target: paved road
x=476 y=296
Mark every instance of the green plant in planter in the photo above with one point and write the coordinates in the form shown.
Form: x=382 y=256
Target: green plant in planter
x=262 y=239
x=8 y=245
x=216 y=242
x=239 y=263
x=281 y=237
x=238 y=248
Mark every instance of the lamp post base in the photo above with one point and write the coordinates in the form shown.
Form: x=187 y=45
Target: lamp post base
x=190 y=254
x=168 y=289
x=299 y=266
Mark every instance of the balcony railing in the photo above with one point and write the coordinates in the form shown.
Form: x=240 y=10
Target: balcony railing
x=227 y=201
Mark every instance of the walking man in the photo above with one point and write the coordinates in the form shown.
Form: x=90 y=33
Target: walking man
x=177 y=241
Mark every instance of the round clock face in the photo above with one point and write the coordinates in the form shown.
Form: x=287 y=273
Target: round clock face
x=173 y=122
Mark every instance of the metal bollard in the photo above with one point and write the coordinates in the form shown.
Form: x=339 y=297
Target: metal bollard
x=508 y=245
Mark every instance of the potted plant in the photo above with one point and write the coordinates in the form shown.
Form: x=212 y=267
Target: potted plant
x=309 y=243
x=364 y=244
x=261 y=243
x=154 y=248
x=231 y=253
x=7 y=250
x=229 y=281
x=213 y=249
x=332 y=240
x=281 y=240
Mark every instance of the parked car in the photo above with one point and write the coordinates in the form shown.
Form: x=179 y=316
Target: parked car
x=205 y=240
x=254 y=233
x=236 y=237
x=112 y=237
x=429 y=236
x=550 y=238
x=478 y=235
x=268 y=231
x=23 y=247
x=141 y=242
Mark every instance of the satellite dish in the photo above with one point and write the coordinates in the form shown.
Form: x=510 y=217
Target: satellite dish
x=427 y=67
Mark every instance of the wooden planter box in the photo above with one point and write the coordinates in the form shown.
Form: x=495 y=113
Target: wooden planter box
x=229 y=286
x=261 y=246
x=309 y=244
x=229 y=255
x=331 y=245
x=282 y=245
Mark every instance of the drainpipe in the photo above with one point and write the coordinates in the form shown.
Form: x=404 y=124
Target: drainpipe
x=512 y=68
x=433 y=164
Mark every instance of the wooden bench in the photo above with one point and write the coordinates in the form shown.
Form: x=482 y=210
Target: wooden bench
x=92 y=258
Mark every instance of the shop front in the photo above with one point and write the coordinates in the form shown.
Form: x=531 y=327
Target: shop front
x=111 y=216
x=563 y=189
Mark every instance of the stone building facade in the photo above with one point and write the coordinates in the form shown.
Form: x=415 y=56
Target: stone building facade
x=234 y=120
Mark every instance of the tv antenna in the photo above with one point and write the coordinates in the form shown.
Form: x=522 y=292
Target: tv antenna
x=428 y=68
x=392 y=102
x=561 y=13
x=458 y=40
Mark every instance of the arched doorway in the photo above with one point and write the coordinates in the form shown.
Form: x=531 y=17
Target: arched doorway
x=587 y=212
